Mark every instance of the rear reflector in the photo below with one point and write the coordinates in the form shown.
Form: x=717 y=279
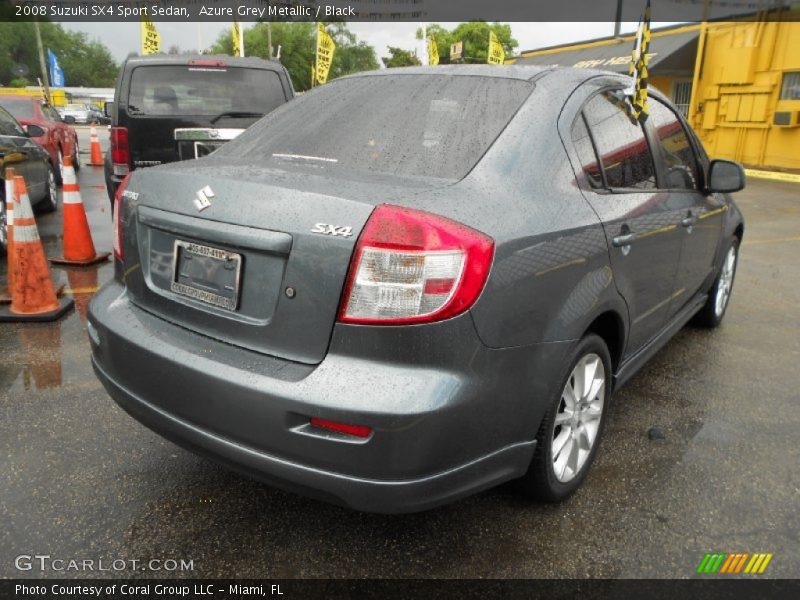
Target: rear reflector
x=118 y=254
x=411 y=266
x=358 y=431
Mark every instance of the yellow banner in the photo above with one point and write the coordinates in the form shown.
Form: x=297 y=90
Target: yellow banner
x=433 y=51
x=151 y=40
x=497 y=55
x=238 y=39
x=325 y=49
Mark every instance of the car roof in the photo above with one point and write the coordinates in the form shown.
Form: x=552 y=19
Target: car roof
x=184 y=59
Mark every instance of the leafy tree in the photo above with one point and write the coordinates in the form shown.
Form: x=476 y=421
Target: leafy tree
x=85 y=62
x=443 y=40
x=475 y=36
x=297 y=42
x=400 y=58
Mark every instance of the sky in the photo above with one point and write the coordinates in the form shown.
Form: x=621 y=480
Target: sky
x=123 y=38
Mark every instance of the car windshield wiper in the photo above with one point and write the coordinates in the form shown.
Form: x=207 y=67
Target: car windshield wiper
x=237 y=115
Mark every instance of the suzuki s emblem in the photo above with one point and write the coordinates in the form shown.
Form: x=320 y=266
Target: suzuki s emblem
x=326 y=229
x=203 y=198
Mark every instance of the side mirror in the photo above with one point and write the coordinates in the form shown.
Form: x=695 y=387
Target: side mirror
x=108 y=108
x=34 y=131
x=725 y=176
x=68 y=119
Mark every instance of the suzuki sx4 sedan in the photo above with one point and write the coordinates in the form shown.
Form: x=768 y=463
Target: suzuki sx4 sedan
x=411 y=285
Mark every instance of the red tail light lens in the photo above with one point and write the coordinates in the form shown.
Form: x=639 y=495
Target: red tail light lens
x=411 y=266
x=120 y=154
x=118 y=254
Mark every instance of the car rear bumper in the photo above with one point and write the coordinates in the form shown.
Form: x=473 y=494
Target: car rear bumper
x=438 y=433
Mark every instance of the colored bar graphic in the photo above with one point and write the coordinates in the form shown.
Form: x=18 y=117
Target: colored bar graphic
x=733 y=563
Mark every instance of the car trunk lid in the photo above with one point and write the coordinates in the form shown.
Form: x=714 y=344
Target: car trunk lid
x=242 y=256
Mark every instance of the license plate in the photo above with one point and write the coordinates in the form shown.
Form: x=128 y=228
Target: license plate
x=207 y=274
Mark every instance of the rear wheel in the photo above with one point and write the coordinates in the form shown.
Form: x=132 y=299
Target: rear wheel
x=50 y=201
x=76 y=156
x=570 y=432
x=713 y=311
x=60 y=167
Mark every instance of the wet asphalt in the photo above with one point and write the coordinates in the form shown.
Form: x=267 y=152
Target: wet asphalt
x=79 y=479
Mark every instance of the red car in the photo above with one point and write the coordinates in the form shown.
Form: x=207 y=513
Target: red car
x=45 y=126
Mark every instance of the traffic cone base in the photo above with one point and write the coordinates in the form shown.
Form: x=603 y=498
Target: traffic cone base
x=95 y=260
x=65 y=304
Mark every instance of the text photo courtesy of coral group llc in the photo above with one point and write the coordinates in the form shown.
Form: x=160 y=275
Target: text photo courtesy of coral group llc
x=399 y=298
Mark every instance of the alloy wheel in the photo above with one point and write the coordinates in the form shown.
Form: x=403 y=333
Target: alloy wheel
x=725 y=283
x=577 y=421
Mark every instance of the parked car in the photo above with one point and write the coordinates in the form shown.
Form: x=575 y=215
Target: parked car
x=45 y=125
x=79 y=112
x=169 y=108
x=29 y=159
x=96 y=114
x=394 y=312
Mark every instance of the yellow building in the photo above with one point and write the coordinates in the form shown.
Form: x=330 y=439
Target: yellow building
x=737 y=82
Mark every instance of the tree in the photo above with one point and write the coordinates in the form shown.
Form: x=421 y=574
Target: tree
x=400 y=58
x=475 y=36
x=298 y=47
x=85 y=62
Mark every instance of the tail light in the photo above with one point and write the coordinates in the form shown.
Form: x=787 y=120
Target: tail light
x=120 y=153
x=411 y=266
x=118 y=254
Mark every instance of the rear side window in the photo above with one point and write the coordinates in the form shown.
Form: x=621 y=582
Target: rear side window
x=680 y=171
x=423 y=125
x=620 y=143
x=203 y=91
x=583 y=146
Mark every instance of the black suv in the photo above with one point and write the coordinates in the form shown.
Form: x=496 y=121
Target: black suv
x=169 y=108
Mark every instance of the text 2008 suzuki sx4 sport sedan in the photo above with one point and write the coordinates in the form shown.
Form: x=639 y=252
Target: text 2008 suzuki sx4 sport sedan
x=410 y=285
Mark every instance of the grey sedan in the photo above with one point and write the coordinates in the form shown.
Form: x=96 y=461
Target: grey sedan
x=414 y=284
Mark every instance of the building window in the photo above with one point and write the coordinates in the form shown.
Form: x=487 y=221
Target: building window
x=790 y=88
x=682 y=96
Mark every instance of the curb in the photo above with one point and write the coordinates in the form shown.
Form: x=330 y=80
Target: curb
x=773 y=175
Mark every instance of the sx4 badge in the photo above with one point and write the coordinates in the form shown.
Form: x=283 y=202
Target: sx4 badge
x=333 y=230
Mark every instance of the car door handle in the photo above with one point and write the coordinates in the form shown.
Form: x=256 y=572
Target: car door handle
x=623 y=240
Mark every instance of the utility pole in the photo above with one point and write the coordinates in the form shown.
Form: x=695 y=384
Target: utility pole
x=618 y=19
x=42 y=63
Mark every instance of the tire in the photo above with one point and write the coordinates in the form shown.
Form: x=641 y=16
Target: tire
x=719 y=297
x=554 y=481
x=50 y=202
x=59 y=167
x=76 y=156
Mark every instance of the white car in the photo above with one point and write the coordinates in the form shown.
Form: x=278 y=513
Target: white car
x=79 y=112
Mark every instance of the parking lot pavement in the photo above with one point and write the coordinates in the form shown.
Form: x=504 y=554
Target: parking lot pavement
x=80 y=479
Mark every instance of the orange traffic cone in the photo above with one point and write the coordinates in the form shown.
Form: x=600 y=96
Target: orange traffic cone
x=97 y=154
x=5 y=295
x=78 y=245
x=32 y=295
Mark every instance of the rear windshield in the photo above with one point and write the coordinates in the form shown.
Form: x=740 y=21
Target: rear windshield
x=203 y=91
x=420 y=125
x=21 y=108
